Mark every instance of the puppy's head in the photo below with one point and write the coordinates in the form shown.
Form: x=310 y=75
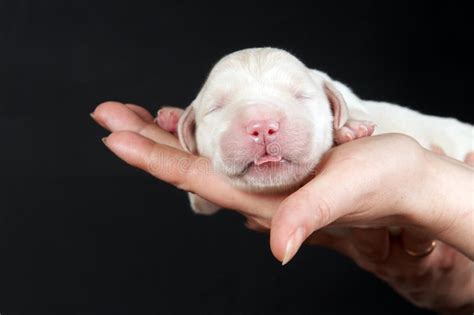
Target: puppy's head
x=263 y=118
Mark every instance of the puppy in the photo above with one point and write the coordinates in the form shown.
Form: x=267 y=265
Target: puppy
x=265 y=120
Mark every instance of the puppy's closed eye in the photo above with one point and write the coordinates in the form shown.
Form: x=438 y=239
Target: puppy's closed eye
x=217 y=105
x=302 y=95
x=213 y=108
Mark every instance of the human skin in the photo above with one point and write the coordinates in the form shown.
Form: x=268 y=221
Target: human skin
x=366 y=185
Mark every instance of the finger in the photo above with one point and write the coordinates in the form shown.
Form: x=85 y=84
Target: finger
x=415 y=243
x=141 y=112
x=372 y=245
x=116 y=116
x=317 y=204
x=185 y=171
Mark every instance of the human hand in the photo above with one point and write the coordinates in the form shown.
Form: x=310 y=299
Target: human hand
x=138 y=141
x=384 y=181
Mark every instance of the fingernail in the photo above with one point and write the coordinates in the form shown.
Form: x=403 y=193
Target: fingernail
x=92 y=115
x=104 y=140
x=293 y=244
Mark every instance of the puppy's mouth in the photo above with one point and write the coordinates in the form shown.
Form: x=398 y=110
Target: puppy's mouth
x=267 y=159
x=266 y=164
x=268 y=172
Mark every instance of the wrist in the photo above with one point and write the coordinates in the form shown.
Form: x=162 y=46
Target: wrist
x=443 y=203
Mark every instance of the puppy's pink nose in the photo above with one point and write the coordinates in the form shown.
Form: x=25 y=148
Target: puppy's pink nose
x=263 y=130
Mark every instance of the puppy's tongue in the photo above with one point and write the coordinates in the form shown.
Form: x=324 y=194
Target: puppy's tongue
x=267 y=158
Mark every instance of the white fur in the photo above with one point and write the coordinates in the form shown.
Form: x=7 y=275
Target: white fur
x=456 y=138
x=275 y=78
x=264 y=77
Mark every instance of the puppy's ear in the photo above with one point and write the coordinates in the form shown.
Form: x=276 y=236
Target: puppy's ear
x=187 y=130
x=338 y=105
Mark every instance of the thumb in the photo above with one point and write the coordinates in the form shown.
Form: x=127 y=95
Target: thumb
x=320 y=202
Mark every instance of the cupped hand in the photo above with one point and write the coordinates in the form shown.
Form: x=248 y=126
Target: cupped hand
x=366 y=185
x=137 y=140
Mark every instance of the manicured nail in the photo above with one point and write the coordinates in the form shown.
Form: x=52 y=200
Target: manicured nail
x=293 y=244
x=104 y=140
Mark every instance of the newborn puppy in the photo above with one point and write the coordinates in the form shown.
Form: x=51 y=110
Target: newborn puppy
x=265 y=120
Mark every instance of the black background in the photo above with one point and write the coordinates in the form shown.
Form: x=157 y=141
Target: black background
x=80 y=231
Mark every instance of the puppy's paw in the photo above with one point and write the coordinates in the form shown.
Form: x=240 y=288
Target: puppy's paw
x=201 y=205
x=352 y=130
x=168 y=117
x=469 y=159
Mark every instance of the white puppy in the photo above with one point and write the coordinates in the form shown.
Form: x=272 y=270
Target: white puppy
x=265 y=120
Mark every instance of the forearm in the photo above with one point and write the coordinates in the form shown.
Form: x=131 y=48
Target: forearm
x=448 y=193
